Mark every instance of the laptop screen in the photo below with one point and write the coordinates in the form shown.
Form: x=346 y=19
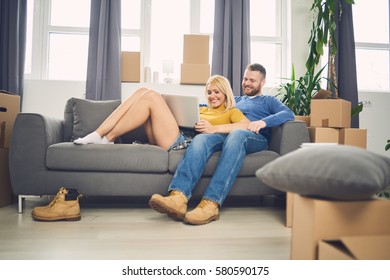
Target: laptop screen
x=185 y=108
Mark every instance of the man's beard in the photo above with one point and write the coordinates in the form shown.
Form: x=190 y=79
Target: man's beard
x=253 y=92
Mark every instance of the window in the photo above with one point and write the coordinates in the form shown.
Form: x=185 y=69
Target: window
x=57 y=38
x=67 y=44
x=167 y=30
x=268 y=31
x=131 y=25
x=60 y=34
x=372 y=44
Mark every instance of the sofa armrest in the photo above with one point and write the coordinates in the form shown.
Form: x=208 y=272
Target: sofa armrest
x=288 y=137
x=31 y=136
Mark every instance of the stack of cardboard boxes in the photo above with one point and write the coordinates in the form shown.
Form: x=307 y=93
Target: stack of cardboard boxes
x=323 y=229
x=330 y=122
x=195 y=68
x=9 y=109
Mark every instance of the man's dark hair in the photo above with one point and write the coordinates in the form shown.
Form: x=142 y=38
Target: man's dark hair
x=257 y=67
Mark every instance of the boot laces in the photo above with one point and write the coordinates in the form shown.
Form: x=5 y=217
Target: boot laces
x=57 y=197
x=204 y=203
x=173 y=193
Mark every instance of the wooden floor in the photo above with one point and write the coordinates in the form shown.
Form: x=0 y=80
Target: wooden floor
x=127 y=229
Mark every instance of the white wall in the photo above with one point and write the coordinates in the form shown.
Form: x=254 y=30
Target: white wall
x=375 y=118
x=49 y=97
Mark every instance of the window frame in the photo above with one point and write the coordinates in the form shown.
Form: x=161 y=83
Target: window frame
x=41 y=35
x=360 y=45
x=281 y=40
x=42 y=30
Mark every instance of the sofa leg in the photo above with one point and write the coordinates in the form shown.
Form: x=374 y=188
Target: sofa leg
x=21 y=201
x=20 y=204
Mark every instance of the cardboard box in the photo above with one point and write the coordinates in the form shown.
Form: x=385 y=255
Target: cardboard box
x=375 y=247
x=6 y=195
x=196 y=49
x=316 y=219
x=9 y=109
x=305 y=119
x=195 y=74
x=335 y=113
x=324 y=135
x=131 y=67
x=289 y=209
x=354 y=137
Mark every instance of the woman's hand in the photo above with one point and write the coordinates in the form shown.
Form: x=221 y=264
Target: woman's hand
x=204 y=126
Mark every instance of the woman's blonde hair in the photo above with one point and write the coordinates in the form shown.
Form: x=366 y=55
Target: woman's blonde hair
x=223 y=85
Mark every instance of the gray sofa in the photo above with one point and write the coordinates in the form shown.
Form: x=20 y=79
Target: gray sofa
x=43 y=158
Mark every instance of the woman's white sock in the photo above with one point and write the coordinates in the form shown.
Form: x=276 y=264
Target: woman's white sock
x=92 y=138
x=105 y=141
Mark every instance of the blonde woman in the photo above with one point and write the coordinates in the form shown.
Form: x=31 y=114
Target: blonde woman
x=147 y=107
x=219 y=118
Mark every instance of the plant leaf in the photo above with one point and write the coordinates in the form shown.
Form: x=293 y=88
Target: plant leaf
x=357 y=109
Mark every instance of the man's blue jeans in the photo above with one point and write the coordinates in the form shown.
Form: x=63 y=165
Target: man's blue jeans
x=234 y=147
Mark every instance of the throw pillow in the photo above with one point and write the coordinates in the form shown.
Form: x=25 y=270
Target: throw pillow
x=88 y=115
x=337 y=172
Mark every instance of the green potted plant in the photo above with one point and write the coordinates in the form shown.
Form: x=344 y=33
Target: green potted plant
x=323 y=34
x=297 y=93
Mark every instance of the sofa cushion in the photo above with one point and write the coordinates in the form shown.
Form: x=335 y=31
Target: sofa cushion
x=82 y=116
x=252 y=162
x=336 y=172
x=107 y=158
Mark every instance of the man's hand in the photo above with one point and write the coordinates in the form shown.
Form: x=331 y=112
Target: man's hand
x=256 y=126
x=203 y=126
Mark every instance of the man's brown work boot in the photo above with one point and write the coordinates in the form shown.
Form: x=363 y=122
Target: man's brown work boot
x=64 y=207
x=206 y=212
x=174 y=205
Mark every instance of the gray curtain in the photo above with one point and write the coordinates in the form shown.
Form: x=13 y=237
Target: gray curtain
x=345 y=61
x=13 y=25
x=231 y=50
x=104 y=54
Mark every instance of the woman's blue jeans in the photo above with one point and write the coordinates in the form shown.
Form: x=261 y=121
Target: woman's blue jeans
x=234 y=147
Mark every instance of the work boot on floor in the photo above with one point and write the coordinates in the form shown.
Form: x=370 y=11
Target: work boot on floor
x=64 y=207
x=206 y=212
x=174 y=205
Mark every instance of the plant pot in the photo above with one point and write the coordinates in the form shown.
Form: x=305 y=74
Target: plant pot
x=306 y=119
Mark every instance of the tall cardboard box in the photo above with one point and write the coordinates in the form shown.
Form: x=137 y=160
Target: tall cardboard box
x=9 y=109
x=195 y=68
x=354 y=137
x=196 y=49
x=131 y=67
x=374 y=247
x=195 y=74
x=6 y=196
x=324 y=135
x=317 y=219
x=334 y=113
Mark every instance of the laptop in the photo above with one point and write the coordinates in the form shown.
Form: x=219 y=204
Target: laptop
x=185 y=109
